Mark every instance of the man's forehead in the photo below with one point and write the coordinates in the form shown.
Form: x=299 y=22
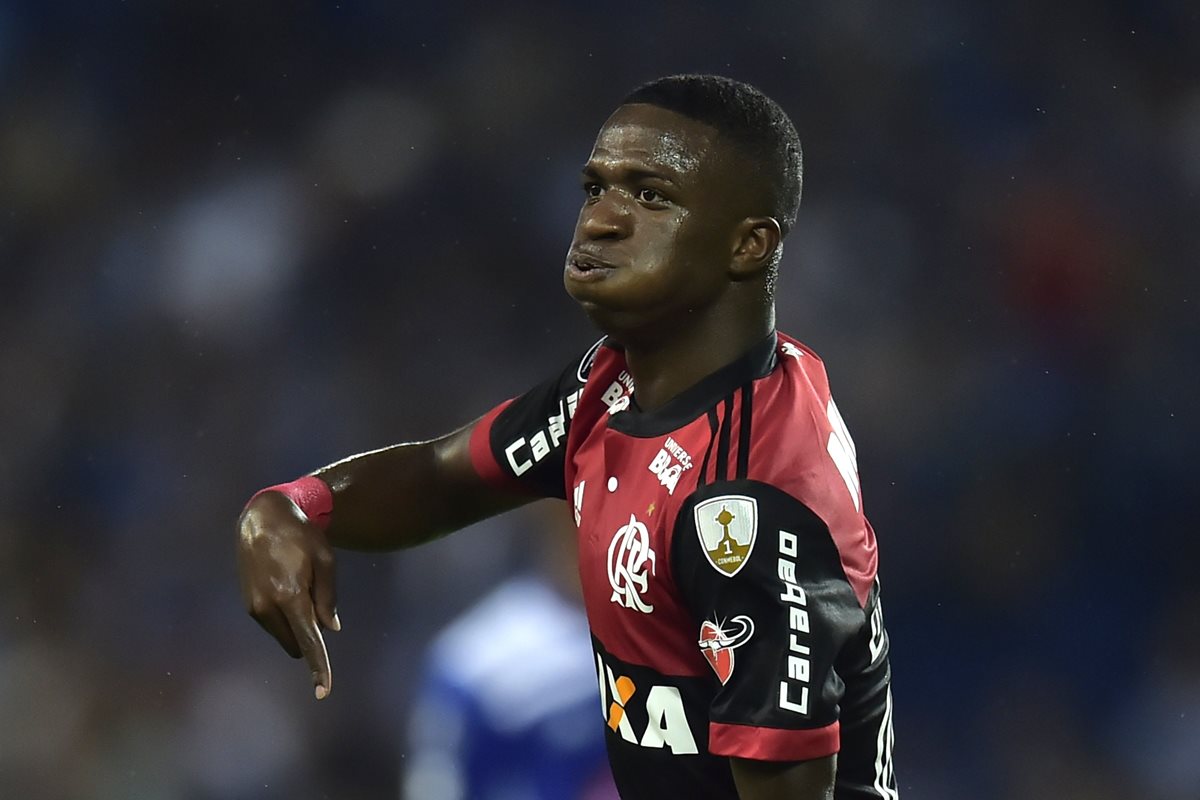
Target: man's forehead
x=654 y=136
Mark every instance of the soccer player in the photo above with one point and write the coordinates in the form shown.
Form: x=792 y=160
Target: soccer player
x=728 y=571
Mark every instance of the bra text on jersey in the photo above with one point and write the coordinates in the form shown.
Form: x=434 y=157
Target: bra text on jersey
x=616 y=396
x=793 y=690
x=664 y=465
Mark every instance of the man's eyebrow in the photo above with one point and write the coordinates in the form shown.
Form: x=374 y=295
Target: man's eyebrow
x=633 y=173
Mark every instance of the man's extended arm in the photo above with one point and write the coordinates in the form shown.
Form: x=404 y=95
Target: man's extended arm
x=387 y=499
x=408 y=494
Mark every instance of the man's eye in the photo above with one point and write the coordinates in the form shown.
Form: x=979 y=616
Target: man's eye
x=593 y=189
x=649 y=196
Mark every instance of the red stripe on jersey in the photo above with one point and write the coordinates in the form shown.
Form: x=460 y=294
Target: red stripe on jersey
x=773 y=744
x=482 y=457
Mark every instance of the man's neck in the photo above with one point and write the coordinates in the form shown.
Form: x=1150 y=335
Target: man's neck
x=664 y=367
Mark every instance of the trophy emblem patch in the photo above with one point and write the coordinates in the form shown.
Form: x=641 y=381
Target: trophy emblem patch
x=727 y=526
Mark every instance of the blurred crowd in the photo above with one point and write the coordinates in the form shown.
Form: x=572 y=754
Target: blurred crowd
x=239 y=241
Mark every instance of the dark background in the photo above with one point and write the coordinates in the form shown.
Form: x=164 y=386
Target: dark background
x=241 y=240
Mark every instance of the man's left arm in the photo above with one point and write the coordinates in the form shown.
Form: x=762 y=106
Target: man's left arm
x=764 y=581
x=786 y=780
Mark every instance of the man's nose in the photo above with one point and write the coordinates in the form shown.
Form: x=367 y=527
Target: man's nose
x=608 y=218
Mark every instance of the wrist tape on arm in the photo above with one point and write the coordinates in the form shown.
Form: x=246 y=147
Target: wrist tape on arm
x=310 y=494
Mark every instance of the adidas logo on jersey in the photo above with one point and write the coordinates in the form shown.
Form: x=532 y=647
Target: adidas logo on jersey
x=790 y=349
x=579 y=487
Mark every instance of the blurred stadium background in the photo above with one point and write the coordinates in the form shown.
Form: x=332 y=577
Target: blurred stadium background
x=238 y=241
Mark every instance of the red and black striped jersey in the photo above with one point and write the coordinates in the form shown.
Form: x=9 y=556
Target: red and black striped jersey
x=728 y=570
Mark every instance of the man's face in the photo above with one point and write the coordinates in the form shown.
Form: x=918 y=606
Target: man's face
x=655 y=235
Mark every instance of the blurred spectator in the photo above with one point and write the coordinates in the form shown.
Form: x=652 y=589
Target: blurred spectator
x=507 y=708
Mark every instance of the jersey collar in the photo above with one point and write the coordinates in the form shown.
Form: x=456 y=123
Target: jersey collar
x=756 y=362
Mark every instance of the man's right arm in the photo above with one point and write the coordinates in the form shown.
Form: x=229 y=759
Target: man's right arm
x=408 y=494
x=393 y=498
x=386 y=499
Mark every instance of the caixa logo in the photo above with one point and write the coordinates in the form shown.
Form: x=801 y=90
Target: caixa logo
x=648 y=716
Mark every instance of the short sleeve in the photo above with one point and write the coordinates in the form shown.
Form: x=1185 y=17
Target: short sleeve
x=764 y=581
x=521 y=443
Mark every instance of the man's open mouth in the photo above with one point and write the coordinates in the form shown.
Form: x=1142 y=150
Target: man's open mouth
x=585 y=263
x=583 y=267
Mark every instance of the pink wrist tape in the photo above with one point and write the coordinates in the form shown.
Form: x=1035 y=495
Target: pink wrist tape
x=312 y=495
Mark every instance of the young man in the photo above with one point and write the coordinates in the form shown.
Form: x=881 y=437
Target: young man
x=728 y=571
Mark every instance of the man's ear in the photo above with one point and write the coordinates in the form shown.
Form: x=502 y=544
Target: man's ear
x=756 y=241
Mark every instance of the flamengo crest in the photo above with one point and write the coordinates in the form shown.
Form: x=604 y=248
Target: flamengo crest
x=727 y=526
x=631 y=562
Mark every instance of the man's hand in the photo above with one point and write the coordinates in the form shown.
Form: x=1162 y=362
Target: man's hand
x=285 y=567
x=285 y=563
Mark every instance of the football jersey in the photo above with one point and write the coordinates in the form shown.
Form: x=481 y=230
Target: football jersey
x=728 y=570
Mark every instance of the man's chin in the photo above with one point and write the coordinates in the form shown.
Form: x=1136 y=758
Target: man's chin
x=623 y=327
x=602 y=317
x=590 y=297
x=608 y=311
x=607 y=319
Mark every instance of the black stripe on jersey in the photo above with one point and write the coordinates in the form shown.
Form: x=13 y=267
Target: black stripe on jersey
x=712 y=437
x=756 y=362
x=723 y=441
x=743 y=455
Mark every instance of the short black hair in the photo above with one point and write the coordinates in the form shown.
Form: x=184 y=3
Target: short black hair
x=747 y=117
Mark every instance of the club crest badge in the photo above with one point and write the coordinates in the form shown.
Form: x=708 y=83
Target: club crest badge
x=717 y=643
x=631 y=562
x=727 y=526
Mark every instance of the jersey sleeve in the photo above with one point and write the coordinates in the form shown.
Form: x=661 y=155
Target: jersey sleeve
x=521 y=444
x=764 y=581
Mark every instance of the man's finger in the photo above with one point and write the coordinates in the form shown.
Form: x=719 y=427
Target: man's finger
x=303 y=622
x=324 y=590
x=274 y=623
